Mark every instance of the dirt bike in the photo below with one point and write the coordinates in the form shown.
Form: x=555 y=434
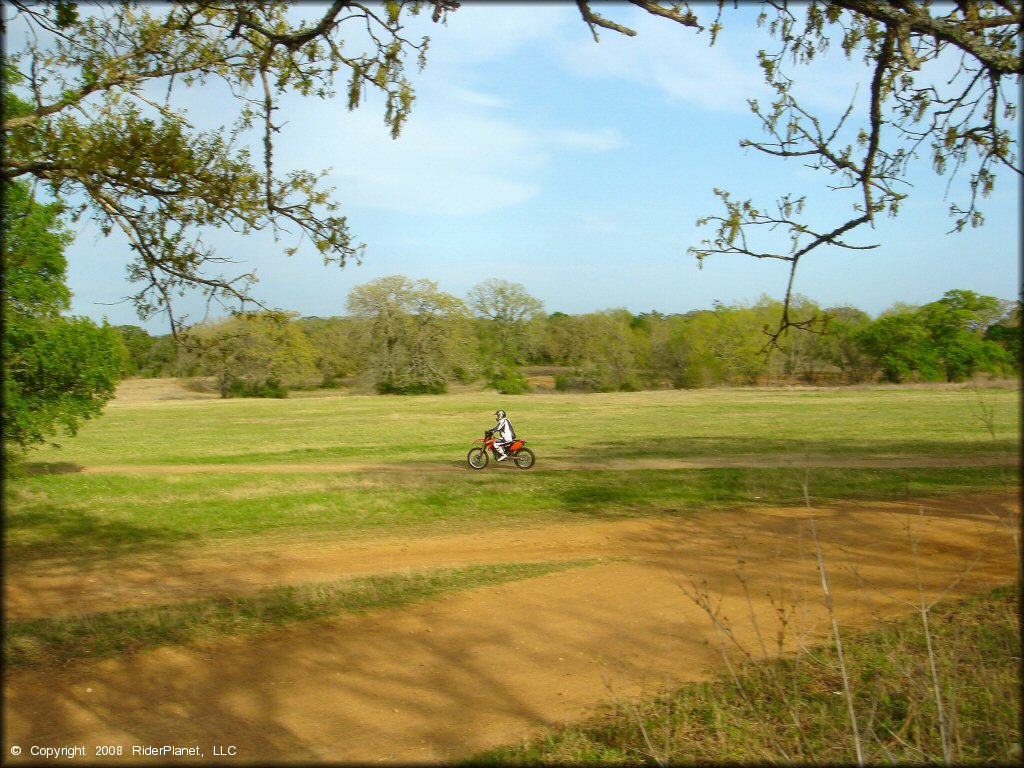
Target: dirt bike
x=518 y=454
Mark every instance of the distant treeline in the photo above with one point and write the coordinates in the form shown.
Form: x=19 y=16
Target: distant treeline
x=405 y=337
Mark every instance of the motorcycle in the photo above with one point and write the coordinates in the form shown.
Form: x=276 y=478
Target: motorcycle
x=518 y=453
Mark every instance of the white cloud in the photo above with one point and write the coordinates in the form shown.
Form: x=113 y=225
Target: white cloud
x=667 y=57
x=452 y=162
x=464 y=152
x=445 y=162
x=679 y=62
x=487 y=32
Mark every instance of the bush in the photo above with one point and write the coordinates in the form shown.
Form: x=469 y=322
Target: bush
x=435 y=387
x=577 y=382
x=271 y=388
x=509 y=380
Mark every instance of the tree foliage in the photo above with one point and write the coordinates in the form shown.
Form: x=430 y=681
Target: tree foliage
x=405 y=336
x=58 y=371
x=252 y=353
x=334 y=345
x=92 y=109
x=509 y=310
x=411 y=335
x=943 y=340
x=146 y=355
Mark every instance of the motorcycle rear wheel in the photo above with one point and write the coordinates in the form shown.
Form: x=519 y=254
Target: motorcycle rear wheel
x=524 y=458
x=477 y=458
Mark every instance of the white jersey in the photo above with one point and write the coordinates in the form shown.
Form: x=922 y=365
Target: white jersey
x=504 y=431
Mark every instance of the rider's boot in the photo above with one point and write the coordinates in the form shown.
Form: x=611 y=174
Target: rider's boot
x=502 y=455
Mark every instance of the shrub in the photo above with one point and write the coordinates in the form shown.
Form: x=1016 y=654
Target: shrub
x=509 y=380
x=270 y=388
x=434 y=387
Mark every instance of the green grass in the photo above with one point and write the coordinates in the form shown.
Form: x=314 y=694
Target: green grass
x=791 y=709
x=88 y=517
x=76 y=516
x=58 y=640
x=439 y=429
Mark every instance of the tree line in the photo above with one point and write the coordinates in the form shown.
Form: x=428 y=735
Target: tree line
x=403 y=336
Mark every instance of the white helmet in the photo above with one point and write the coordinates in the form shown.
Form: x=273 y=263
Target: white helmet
x=499 y=415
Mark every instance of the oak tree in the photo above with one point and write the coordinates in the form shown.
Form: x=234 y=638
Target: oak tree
x=252 y=353
x=411 y=336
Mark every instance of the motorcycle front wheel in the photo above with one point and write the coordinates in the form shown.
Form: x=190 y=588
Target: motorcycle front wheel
x=524 y=458
x=477 y=458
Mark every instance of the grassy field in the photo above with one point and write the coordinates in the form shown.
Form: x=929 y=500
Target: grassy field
x=75 y=515
x=432 y=429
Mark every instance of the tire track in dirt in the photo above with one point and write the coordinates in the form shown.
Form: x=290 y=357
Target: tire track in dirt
x=441 y=680
x=554 y=465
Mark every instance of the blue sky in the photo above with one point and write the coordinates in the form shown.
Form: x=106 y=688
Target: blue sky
x=578 y=169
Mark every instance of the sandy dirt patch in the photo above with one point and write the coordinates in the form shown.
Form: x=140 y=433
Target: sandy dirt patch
x=442 y=680
x=155 y=390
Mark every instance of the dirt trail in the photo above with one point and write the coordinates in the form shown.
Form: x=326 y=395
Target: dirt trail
x=704 y=462
x=439 y=681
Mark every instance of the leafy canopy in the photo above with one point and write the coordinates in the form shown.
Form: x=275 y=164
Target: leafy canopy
x=58 y=371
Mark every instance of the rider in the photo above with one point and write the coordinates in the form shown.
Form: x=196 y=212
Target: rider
x=505 y=434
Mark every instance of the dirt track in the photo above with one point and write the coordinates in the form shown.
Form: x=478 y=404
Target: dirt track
x=549 y=465
x=439 y=681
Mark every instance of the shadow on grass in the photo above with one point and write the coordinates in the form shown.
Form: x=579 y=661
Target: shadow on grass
x=50 y=468
x=82 y=536
x=788 y=450
x=673 y=493
x=611 y=495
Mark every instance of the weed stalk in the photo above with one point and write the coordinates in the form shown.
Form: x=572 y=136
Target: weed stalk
x=835 y=624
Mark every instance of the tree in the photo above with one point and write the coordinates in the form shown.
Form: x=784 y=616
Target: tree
x=670 y=349
x=614 y=349
x=945 y=339
x=412 y=336
x=137 y=344
x=334 y=346
x=725 y=344
x=563 y=339
x=840 y=347
x=255 y=354
x=956 y=326
x=965 y=120
x=58 y=371
x=92 y=110
x=901 y=348
x=510 y=310
x=1006 y=333
x=508 y=329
